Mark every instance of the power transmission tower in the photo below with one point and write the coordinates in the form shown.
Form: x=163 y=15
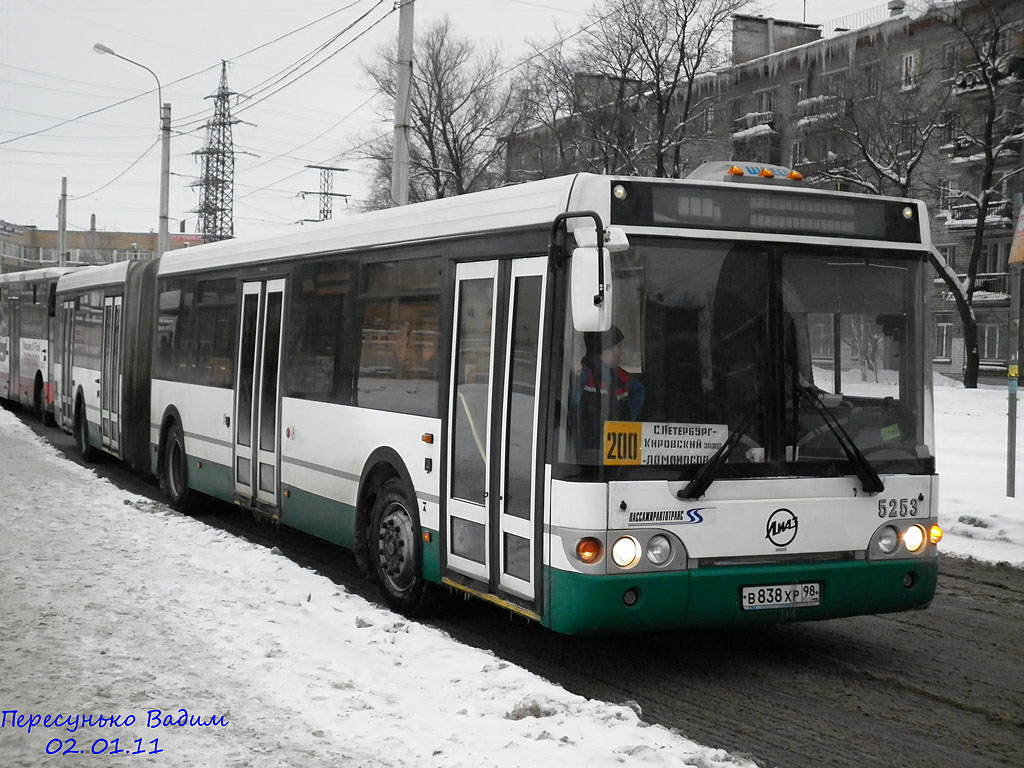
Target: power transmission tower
x=326 y=186
x=217 y=179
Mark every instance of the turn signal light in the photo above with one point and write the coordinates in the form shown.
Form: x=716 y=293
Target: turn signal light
x=935 y=534
x=589 y=550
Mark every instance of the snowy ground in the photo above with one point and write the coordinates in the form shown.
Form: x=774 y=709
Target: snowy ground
x=115 y=606
x=979 y=520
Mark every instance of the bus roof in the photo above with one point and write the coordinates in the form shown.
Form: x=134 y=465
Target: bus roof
x=94 y=277
x=30 y=275
x=535 y=203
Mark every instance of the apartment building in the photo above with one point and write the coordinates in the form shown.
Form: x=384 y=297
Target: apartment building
x=898 y=106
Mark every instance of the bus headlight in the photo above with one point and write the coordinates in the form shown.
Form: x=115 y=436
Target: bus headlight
x=888 y=539
x=659 y=549
x=914 y=538
x=626 y=552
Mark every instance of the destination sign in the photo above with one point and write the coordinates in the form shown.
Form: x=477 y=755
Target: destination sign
x=760 y=208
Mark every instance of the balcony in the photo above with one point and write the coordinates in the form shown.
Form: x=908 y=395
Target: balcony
x=992 y=283
x=962 y=149
x=819 y=112
x=965 y=216
x=833 y=162
x=988 y=286
x=754 y=124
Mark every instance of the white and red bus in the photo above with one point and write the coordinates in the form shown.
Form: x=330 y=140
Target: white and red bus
x=26 y=337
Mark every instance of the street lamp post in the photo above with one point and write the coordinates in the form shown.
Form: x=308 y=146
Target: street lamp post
x=162 y=242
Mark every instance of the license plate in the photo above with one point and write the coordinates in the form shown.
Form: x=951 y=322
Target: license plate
x=781 y=596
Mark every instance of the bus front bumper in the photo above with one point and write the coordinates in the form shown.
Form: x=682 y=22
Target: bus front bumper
x=712 y=596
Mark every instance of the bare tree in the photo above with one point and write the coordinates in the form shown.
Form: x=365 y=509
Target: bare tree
x=462 y=110
x=676 y=41
x=551 y=97
x=990 y=137
x=636 y=70
x=887 y=121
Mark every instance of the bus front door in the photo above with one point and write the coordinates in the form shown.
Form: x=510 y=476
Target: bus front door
x=5 y=344
x=493 y=493
x=110 y=375
x=257 y=447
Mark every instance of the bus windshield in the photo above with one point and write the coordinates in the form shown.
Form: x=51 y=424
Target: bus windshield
x=783 y=351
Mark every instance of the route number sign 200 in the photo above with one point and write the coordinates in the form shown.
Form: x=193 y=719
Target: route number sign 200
x=897 y=507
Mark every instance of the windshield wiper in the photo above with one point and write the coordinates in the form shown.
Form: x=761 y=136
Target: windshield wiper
x=709 y=470
x=869 y=479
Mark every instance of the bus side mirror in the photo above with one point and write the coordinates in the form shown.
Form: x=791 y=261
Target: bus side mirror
x=591 y=307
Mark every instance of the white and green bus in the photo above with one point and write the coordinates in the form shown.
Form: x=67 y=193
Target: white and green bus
x=602 y=403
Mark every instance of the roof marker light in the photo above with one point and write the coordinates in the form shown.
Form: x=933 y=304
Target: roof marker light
x=795 y=176
x=765 y=173
x=735 y=171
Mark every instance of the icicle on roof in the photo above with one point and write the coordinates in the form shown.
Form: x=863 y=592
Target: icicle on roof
x=820 y=50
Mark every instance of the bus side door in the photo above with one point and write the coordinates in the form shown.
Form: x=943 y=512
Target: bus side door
x=493 y=495
x=257 y=446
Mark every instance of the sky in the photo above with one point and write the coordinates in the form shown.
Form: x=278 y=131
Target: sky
x=66 y=111
x=115 y=605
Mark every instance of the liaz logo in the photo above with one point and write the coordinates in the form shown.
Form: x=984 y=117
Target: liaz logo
x=781 y=528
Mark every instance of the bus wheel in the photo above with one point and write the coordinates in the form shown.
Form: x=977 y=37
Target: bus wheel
x=87 y=452
x=394 y=542
x=174 y=478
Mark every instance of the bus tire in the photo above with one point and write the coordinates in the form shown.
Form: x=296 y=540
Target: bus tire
x=174 y=478
x=395 y=551
x=86 y=451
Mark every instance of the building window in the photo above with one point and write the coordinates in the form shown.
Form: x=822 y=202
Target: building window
x=911 y=69
x=950 y=127
x=991 y=342
x=943 y=337
x=797 y=154
x=948 y=253
x=835 y=83
x=908 y=136
x=952 y=58
x=799 y=93
x=949 y=194
x=995 y=256
x=871 y=79
x=764 y=101
x=822 y=334
x=707 y=120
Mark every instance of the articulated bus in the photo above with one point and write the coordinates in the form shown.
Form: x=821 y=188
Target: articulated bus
x=603 y=403
x=26 y=336
x=104 y=346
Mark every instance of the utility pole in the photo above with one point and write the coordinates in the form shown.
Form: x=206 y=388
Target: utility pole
x=1016 y=264
x=326 y=194
x=403 y=63
x=163 y=241
x=62 y=223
